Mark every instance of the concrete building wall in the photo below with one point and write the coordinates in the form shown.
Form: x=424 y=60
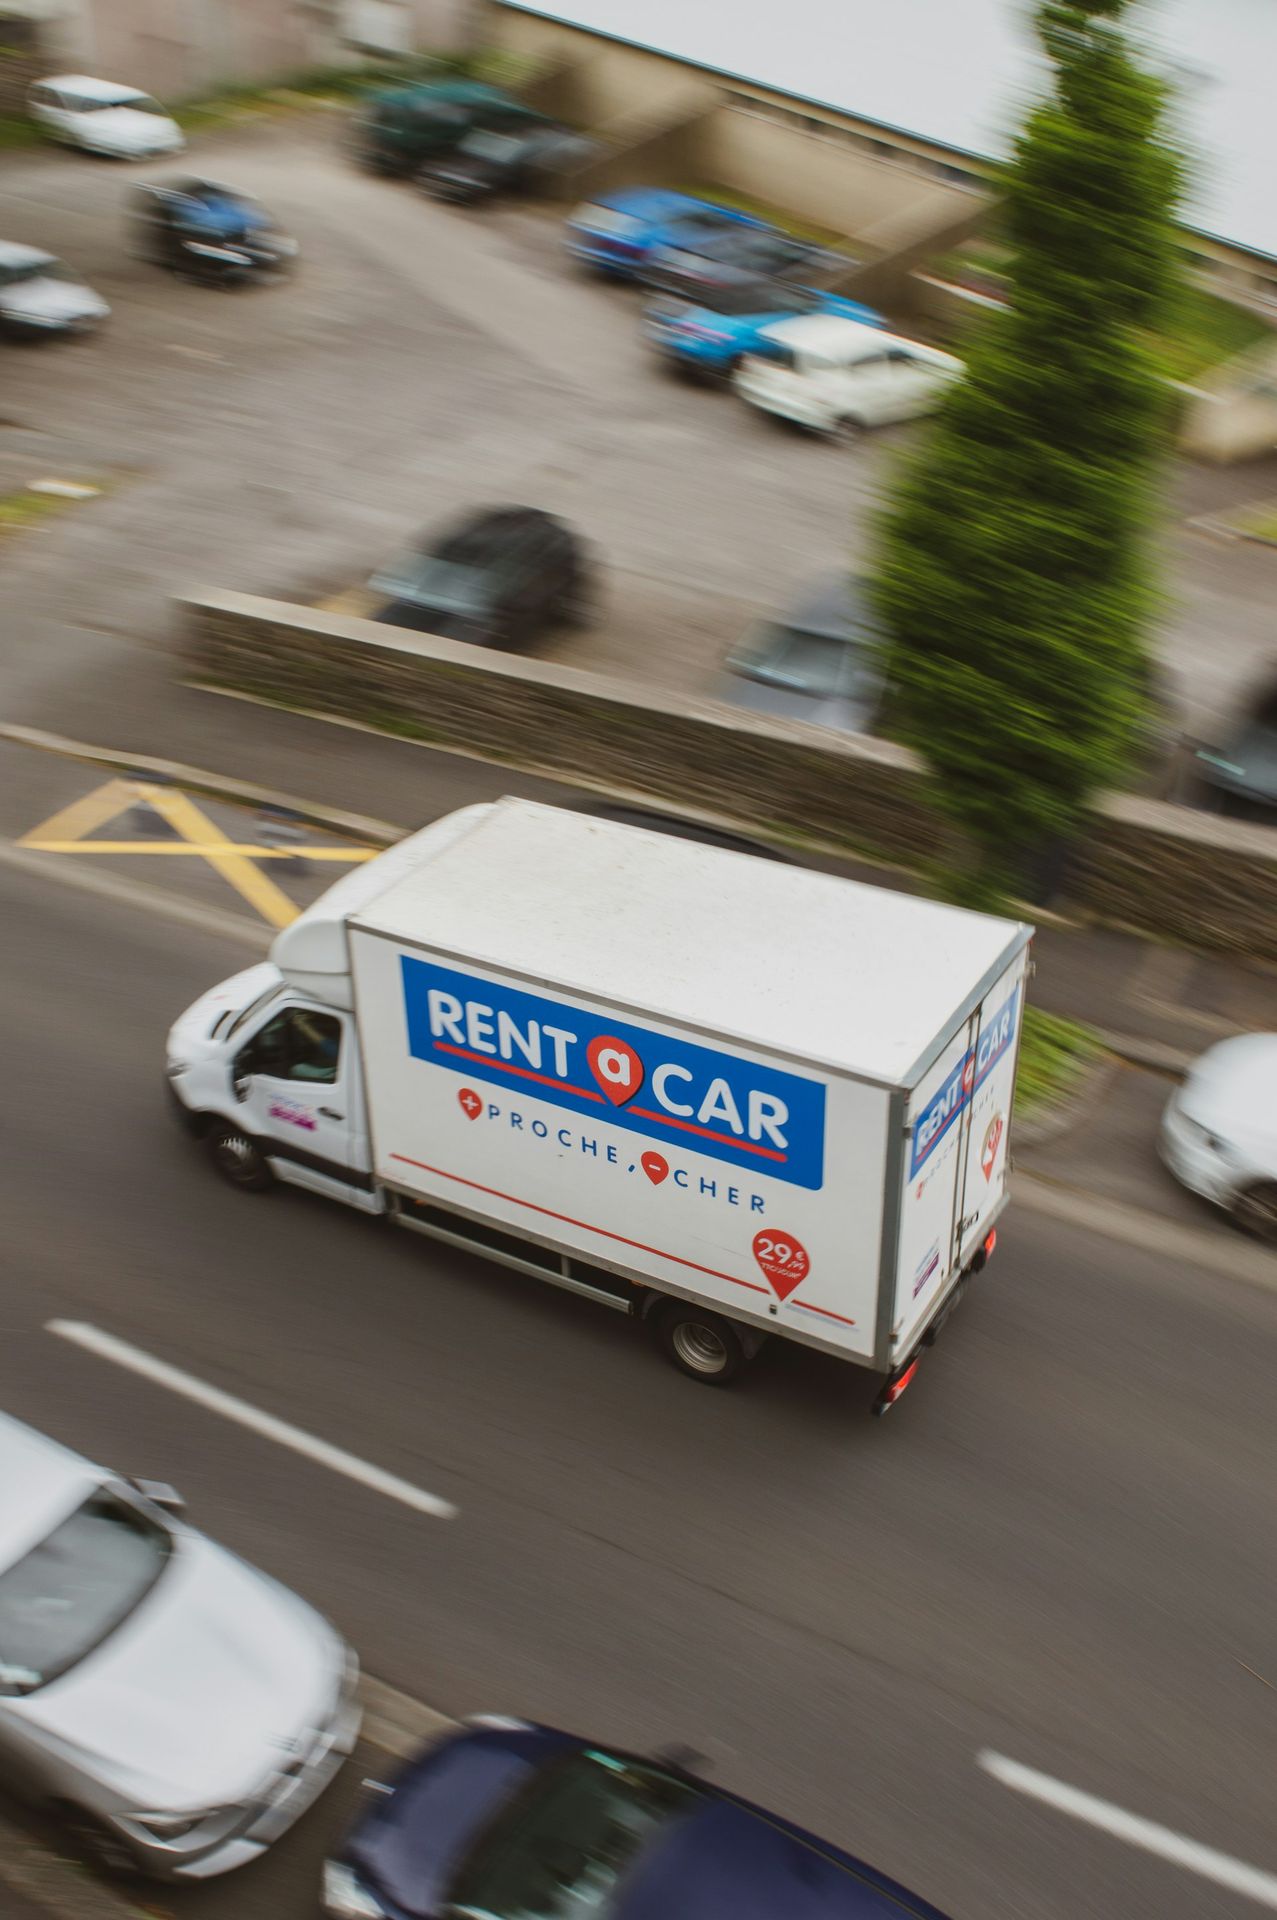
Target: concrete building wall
x=883 y=203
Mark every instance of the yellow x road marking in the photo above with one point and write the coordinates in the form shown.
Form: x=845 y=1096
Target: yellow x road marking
x=200 y=838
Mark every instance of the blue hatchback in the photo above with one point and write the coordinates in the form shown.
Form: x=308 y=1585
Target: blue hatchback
x=508 y=1821
x=710 y=338
x=618 y=231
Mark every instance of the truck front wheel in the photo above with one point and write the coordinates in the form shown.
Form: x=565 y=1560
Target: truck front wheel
x=701 y=1344
x=238 y=1159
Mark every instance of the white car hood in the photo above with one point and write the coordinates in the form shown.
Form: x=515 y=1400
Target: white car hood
x=217 y=1681
x=1232 y=1091
x=133 y=132
x=53 y=300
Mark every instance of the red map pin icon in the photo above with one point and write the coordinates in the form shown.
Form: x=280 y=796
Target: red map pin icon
x=783 y=1259
x=616 y=1067
x=655 y=1166
x=470 y=1103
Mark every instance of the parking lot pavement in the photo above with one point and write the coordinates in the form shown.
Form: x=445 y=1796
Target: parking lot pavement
x=283 y=439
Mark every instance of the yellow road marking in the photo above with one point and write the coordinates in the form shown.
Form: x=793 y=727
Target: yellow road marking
x=83 y=816
x=68 y=830
x=242 y=873
x=353 y=856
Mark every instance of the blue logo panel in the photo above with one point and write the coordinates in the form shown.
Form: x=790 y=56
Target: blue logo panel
x=932 y=1124
x=673 y=1091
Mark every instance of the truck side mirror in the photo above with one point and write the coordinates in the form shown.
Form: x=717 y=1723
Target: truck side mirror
x=243 y=1067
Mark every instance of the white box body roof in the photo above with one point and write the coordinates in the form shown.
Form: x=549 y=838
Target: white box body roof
x=803 y=964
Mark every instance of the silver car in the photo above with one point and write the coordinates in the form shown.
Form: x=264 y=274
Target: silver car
x=821 y=662
x=41 y=294
x=175 y=1706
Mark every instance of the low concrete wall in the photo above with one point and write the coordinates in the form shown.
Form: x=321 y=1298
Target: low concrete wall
x=1160 y=869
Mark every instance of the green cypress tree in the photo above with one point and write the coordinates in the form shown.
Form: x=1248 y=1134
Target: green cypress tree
x=1014 y=570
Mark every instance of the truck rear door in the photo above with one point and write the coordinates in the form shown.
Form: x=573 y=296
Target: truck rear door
x=987 y=1122
x=957 y=1122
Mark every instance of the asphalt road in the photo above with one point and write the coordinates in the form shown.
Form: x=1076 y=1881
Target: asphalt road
x=1059 y=1547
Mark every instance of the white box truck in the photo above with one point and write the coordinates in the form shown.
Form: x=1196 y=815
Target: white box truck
x=728 y=1096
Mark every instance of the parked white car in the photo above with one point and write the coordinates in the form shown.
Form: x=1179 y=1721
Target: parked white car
x=176 y=1707
x=41 y=294
x=1219 y=1130
x=103 y=118
x=838 y=376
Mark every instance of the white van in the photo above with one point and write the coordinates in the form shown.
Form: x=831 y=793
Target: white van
x=839 y=376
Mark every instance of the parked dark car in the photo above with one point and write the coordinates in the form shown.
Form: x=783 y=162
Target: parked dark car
x=208 y=231
x=507 y=1818
x=495 y=579
x=509 y=159
x=692 y=264
x=403 y=129
x=821 y=661
x=1240 y=774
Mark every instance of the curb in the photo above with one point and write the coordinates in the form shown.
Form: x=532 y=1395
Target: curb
x=216 y=786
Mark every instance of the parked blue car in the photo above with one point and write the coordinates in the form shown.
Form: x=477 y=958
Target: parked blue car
x=507 y=1819
x=709 y=338
x=616 y=233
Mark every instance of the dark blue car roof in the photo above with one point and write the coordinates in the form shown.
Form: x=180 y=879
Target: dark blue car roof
x=729 y=1861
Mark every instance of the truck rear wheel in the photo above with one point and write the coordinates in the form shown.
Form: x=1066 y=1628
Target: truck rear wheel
x=238 y=1159
x=701 y=1344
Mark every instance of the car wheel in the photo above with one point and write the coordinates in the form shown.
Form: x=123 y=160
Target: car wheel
x=1255 y=1211
x=701 y=1344
x=576 y=606
x=846 y=432
x=238 y=1159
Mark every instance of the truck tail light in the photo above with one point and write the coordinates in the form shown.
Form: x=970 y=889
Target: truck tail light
x=892 y=1388
x=990 y=1242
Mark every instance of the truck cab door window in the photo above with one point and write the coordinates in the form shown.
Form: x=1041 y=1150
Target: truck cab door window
x=298 y=1044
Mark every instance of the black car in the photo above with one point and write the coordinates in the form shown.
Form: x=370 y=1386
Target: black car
x=495 y=579
x=822 y=661
x=734 y=256
x=406 y=128
x=208 y=231
x=508 y=159
x=507 y=1818
x=1240 y=774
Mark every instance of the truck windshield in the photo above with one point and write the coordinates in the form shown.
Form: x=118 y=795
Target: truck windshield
x=254 y=1006
x=562 y=1847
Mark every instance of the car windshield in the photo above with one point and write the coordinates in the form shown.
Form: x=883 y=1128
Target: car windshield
x=446 y=584
x=814 y=663
x=135 y=102
x=564 y=1845
x=67 y=1594
x=37 y=270
x=755 y=297
x=486 y=145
